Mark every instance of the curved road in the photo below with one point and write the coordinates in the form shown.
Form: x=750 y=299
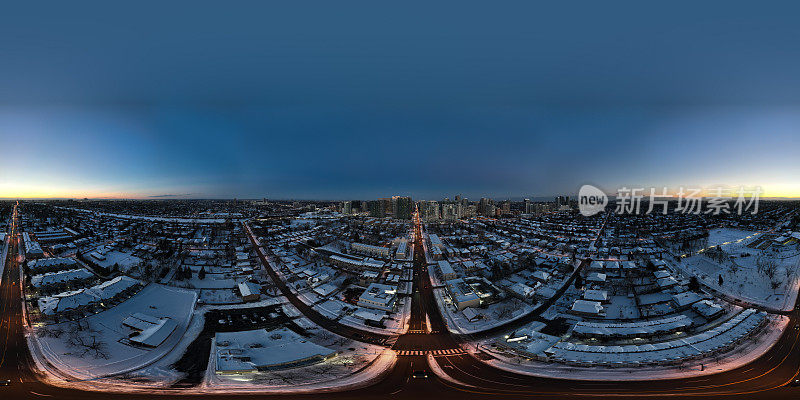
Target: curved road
x=466 y=377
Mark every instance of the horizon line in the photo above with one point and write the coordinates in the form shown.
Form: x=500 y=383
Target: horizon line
x=169 y=198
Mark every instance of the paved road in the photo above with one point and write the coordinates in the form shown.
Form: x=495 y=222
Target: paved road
x=468 y=378
x=308 y=311
x=765 y=378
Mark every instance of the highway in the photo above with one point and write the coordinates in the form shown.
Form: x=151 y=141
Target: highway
x=467 y=377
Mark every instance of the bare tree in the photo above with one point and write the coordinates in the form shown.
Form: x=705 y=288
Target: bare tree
x=86 y=340
x=504 y=312
x=325 y=335
x=48 y=331
x=767 y=266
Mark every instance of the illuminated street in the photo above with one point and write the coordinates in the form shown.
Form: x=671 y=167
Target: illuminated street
x=367 y=200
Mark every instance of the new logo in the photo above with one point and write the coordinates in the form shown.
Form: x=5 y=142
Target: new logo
x=591 y=200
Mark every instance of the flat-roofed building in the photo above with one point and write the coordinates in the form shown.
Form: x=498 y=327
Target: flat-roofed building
x=446 y=271
x=462 y=294
x=434 y=241
x=379 y=296
x=436 y=253
x=402 y=250
x=586 y=307
x=258 y=350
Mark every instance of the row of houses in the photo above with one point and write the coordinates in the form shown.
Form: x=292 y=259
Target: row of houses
x=370 y=250
x=77 y=300
x=32 y=247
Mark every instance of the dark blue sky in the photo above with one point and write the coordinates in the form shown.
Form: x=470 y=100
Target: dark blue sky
x=359 y=100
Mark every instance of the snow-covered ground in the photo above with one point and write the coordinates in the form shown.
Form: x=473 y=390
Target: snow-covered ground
x=219 y=296
x=115 y=355
x=746 y=271
x=126 y=261
x=211 y=281
x=491 y=316
x=622 y=307
x=161 y=373
x=356 y=364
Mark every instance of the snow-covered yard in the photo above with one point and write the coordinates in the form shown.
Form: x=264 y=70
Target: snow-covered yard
x=494 y=314
x=211 y=281
x=126 y=261
x=767 y=277
x=99 y=346
x=219 y=296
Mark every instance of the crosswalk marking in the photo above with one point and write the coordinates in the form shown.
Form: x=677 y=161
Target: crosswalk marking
x=441 y=352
